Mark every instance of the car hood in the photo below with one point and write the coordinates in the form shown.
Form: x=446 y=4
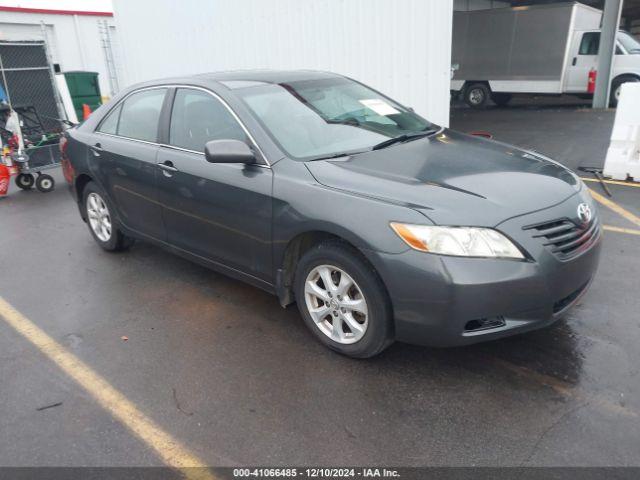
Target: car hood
x=453 y=179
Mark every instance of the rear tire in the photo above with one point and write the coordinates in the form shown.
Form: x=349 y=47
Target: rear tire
x=616 y=86
x=356 y=288
x=102 y=221
x=501 y=99
x=476 y=95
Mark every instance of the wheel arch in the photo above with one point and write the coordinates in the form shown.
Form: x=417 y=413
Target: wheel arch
x=468 y=83
x=626 y=75
x=294 y=250
x=80 y=183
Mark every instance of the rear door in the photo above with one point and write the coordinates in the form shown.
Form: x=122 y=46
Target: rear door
x=125 y=150
x=221 y=212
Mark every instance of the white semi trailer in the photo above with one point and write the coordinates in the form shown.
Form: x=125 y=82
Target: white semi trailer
x=542 y=49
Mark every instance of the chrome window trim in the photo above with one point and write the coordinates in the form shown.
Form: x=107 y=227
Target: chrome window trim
x=193 y=87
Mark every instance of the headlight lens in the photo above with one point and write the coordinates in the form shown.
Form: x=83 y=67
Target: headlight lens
x=459 y=241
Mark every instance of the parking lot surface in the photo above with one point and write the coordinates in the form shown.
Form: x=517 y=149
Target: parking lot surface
x=238 y=380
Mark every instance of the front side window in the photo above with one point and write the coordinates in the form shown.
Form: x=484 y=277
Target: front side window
x=140 y=115
x=198 y=117
x=590 y=43
x=322 y=117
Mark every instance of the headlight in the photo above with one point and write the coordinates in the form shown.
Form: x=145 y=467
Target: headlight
x=459 y=241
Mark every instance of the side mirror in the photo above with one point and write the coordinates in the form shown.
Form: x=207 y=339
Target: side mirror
x=228 y=151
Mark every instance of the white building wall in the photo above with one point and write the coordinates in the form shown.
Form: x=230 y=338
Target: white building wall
x=402 y=47
x=74 y=40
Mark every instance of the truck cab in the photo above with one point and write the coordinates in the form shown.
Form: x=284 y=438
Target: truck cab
x=584 y=58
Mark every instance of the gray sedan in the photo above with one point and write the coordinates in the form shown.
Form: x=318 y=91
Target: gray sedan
x=380 y=225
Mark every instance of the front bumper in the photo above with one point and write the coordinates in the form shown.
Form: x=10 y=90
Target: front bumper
x=440 y=300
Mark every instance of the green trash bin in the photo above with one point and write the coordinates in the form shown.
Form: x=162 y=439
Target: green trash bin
x=83 y=88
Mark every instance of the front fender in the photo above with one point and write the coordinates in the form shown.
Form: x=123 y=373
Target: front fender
x=301 y=205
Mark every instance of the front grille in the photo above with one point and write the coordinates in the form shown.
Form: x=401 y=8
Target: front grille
x=566 y=238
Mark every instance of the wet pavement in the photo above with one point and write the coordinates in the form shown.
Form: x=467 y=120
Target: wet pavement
x=238 y=380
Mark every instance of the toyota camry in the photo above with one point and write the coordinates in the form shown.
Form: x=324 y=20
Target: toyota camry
x=380 y=225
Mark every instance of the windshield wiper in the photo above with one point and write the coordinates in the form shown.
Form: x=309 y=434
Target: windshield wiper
x=339 y=155
x=403 y=138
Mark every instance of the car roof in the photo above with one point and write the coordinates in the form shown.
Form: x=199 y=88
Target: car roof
x=267 y=76
x=239 y=78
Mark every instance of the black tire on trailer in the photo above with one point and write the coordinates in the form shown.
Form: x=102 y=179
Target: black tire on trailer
x=501 y=99
x=25 y=181
x=476 y=95
x=356 y=294
x=616 y=86
x=45 y=183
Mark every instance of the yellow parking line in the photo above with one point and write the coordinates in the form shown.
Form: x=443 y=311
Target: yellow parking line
x=612 y=182
x=610 y=204
x=168 y=448
x=630 y=231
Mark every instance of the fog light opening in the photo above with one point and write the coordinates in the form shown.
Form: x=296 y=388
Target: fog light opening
x=484 y=324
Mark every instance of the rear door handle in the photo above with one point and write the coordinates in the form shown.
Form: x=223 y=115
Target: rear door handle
x=167 y=168
x=575 y=60
x=96 y=149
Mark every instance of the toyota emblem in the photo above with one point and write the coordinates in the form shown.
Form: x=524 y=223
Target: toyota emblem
x=584 y=213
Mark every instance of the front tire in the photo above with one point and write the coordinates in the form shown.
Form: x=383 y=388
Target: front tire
x=343 y=300
x=101 y=220
x=616 y=87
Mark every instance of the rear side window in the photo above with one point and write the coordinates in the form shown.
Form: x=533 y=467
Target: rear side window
x=110 y=123
x=140 y=115
x=590 y=43
x=198 y=117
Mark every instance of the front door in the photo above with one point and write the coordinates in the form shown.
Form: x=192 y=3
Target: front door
x=220 y=212
x=125 y=152
x=585 y=48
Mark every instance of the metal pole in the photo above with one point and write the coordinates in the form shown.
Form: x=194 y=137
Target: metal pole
x=62 y=113
x=610 y=22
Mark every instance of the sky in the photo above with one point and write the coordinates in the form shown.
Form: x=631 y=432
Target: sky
x=82 y=5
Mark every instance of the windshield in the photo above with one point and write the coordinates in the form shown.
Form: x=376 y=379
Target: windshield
x=326 y=117
x=629 y=43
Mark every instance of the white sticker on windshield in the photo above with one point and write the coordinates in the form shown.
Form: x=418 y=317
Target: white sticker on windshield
x=379 y=106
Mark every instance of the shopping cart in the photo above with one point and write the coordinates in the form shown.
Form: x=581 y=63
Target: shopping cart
x=41 y=151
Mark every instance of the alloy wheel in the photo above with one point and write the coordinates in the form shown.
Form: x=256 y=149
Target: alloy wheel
x=336 y=304
x=99 y=217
